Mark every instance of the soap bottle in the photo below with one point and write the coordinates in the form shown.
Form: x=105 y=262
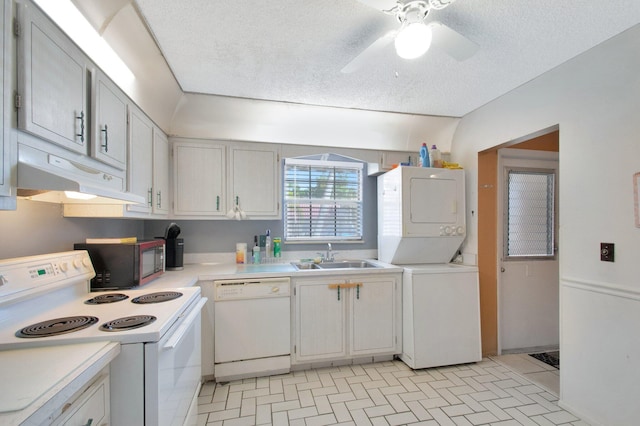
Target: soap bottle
x=267 y=245
x=424 y=156
x=276 y=247
x=436 y=161
x=256 y=250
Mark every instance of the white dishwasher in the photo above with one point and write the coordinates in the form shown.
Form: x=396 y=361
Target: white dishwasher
x=252 y=326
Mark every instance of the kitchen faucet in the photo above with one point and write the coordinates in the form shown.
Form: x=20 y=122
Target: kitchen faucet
x=329 y=256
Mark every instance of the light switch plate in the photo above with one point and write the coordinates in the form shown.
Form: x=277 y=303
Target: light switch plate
x=607 y=252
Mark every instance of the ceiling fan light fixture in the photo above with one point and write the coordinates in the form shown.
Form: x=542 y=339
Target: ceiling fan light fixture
x=413 y=40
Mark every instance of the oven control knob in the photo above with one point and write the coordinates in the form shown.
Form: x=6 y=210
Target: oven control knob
x=77 y=263
x=86 y=262
x=275 y=289
x=64 y=267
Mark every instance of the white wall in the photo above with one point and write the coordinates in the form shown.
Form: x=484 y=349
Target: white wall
x=218 y=117
x=38 y=228
x=595 y=101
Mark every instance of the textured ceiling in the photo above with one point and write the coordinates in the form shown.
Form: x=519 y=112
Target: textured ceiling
x=293 y=51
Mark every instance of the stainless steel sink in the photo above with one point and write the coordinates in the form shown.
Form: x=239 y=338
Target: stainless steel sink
x=347 y=264
x=305 y=266
x=344 y=264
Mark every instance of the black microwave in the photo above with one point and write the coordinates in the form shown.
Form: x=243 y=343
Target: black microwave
x=122 y=266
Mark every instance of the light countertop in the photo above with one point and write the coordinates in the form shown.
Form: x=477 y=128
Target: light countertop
x=192 y=273
x=38 y=381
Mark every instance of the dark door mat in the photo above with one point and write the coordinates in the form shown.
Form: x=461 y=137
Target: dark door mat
x=550 y=358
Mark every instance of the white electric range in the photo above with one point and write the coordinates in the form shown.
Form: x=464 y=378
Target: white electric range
x=156 y=378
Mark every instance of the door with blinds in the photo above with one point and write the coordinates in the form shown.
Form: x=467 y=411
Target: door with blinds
x=528 y=283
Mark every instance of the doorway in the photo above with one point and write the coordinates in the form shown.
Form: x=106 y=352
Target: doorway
x=489 y=246
x=528 y=277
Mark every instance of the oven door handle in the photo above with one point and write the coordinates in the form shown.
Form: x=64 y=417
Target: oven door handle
x=184 y=327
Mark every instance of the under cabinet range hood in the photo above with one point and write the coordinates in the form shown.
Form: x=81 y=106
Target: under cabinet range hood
x=51 y=178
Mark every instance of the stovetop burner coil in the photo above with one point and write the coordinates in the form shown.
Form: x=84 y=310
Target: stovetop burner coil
x=57 y=326
x=162 y=296
x=106 y=298
x=127 y=323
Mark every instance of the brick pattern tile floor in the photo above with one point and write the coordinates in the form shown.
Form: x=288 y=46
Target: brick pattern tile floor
x=384 y=393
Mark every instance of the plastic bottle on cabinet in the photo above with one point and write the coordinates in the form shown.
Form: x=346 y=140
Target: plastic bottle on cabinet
x=277 y=247
x=424 y=156
x=267 y=245
x=256 y=250
x=434 y=153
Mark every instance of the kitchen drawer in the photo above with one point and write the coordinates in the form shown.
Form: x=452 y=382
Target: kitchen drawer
x=90 y=408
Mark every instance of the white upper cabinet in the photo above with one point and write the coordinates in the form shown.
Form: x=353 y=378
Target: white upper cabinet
x=255 y=179
x=148 y=164
x=160 y=192
x=5 y=145
x=52 y=82
x=211 y=177
x=109 y=122
x=199 y=170
x=140 y=168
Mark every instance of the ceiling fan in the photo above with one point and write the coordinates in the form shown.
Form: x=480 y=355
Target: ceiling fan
x=414 y=36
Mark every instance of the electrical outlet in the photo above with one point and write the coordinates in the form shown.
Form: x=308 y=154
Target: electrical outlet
x=607 y=252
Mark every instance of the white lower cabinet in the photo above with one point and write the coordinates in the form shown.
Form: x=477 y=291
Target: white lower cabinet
x=340 y=318
x=91 y=407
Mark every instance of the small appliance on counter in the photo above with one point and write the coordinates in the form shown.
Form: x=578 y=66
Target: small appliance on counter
x=124 y=265
x=175 y=248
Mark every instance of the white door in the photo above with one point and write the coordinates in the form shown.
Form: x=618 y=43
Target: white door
x=528 y=295
x=320 y=321
x=52 y=81
x=140 y=156
x=160 y=172
x=109 y=142
x=373 y=324
x=199 y=179
x=255 y=179
x=433 y=198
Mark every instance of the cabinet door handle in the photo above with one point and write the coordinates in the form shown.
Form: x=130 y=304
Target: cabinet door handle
x=81 y=118
x=217 y=203
x=89 y=423
x=344 y=285
x=159 y=202
x=358 y=291
x=150 y=197
x=106 y=138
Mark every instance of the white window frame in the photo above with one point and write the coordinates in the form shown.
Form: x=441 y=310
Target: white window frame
x=350 y=203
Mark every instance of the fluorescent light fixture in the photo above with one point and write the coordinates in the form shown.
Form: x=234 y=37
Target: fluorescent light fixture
x=413 y=40
x=79 y=195
x=72 y=22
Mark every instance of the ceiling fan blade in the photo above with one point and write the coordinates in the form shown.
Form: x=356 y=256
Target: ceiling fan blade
x=369 y=53
x=452 y=42
x=380 y=4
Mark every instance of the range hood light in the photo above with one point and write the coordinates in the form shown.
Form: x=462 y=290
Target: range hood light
x=79 y=195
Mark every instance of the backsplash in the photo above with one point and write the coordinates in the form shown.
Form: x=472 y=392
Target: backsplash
x=38 y=228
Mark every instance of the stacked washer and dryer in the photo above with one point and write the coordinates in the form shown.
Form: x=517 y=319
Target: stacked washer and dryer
x=421 y=226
